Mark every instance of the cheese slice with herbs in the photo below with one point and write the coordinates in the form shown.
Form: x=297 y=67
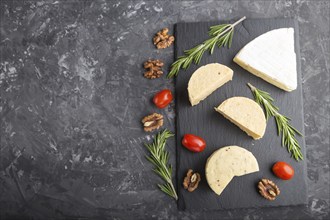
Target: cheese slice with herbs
x=271 y=56
x=226 y=163
x=246 y=114
x=206 y=80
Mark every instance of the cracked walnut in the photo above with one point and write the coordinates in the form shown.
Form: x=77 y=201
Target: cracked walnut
x=162 y=39
x=152 y=122
x=268 y=189
x=154 y=69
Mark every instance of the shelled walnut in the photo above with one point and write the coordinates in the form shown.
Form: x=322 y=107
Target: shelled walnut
x=268 y=189
x=162 y=39
x=154 y=69
x=191 y=180
x=152 y=122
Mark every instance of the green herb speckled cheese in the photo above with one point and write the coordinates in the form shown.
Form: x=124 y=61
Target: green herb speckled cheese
x=226 y=163
x=246 y=114
x=206 y=80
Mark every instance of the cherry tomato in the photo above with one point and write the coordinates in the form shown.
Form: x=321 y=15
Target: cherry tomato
x=283 y=170
x=193 y=143
x=163 y=98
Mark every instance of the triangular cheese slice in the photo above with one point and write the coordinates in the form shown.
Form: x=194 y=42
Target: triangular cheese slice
x=206 y=80
x=226 y=163
x=271 y=56
x=246 y=114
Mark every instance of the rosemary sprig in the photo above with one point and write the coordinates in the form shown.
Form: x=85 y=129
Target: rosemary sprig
x=220 y=35
x=283 y=123
x=159 y=158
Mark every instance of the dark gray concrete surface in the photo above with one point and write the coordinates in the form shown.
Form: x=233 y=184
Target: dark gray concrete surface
x=72 y=96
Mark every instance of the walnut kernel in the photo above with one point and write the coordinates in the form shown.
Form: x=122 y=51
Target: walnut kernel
x=162 y=39
x=268 y=189
x=152 y=122
x=154 y=69
x=191 y=180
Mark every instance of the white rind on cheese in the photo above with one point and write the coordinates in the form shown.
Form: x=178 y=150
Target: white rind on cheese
x=246 y=114
x=206 y=80
x=272 y=57
x=226 y=163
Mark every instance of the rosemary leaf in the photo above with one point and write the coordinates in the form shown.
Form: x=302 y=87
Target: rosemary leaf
x=220 y=35
x=284 y=127
x=159 y=158
x=230 y=39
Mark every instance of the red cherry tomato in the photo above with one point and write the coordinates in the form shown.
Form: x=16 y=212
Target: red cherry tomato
x=193 y=143
x=163 y=98
x=283 y=170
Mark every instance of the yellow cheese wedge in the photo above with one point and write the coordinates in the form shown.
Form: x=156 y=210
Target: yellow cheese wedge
x=246 y=114
x=226 y=163
x=206 y=80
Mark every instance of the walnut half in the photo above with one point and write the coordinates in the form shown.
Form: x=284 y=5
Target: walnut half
x=191 y=180
x=152 y=122
x=268 y=189
x=162 y=39
x=154 y=69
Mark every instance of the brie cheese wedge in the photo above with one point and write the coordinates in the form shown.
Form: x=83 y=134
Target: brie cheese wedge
x=271 y=56
x=206 y=80
x=246 y=114
x=226 y=163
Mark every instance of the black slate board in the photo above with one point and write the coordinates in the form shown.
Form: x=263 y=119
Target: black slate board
x=202 y=120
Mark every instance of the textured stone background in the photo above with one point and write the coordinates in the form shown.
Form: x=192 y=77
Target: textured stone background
x=72 y=95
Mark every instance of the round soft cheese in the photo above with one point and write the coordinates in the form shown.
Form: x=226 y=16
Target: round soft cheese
x=206 y=79
x=226 y=163
x=246 y=114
